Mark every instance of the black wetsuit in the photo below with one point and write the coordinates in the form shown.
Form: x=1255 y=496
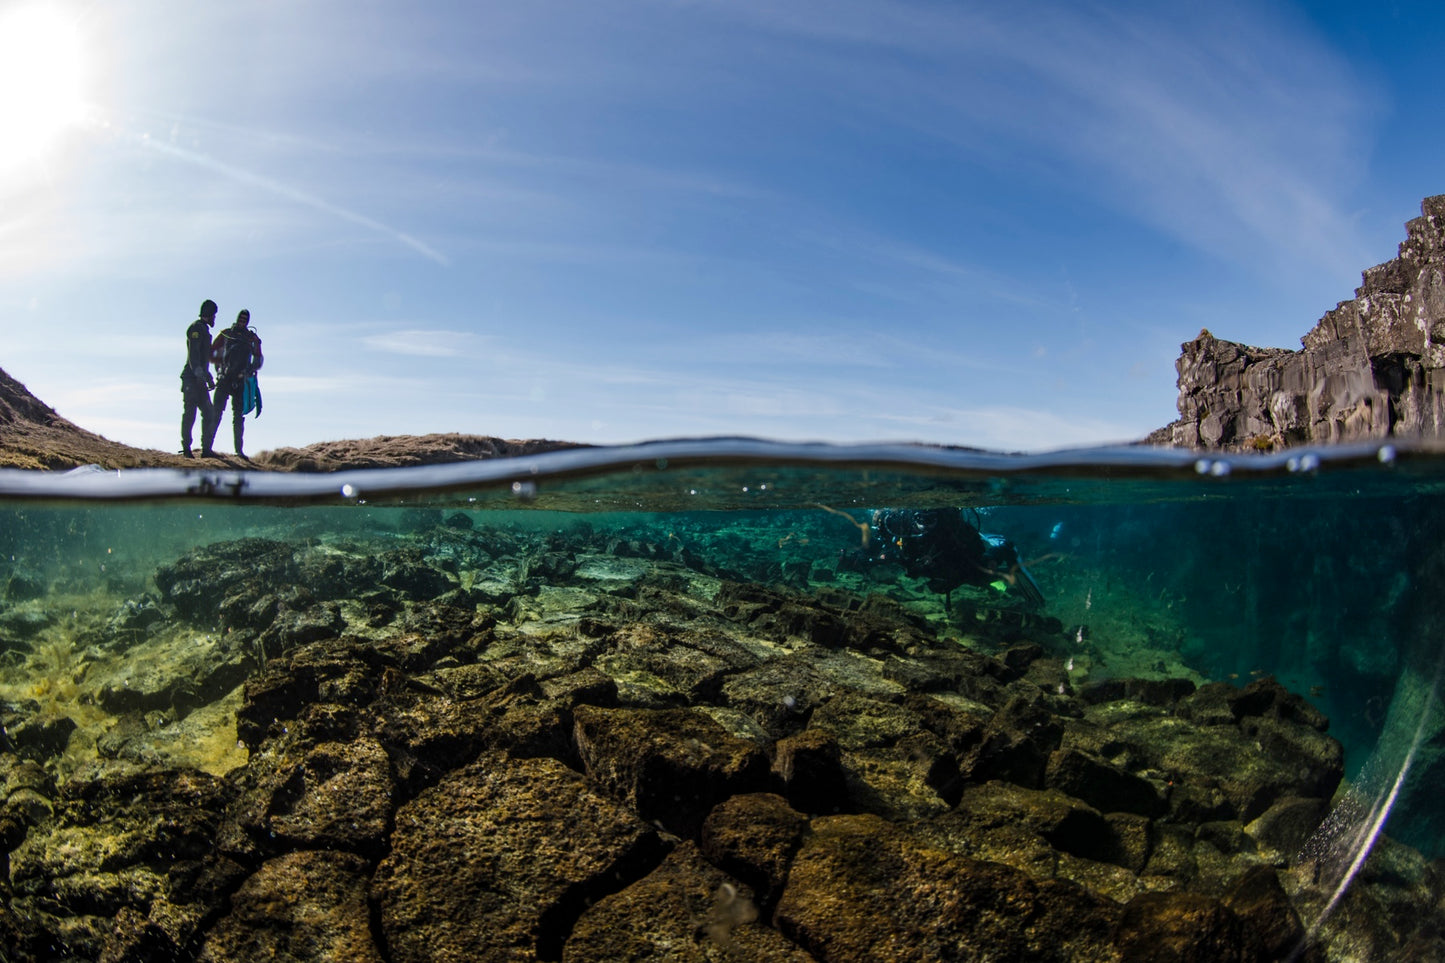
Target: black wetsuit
x=237 y=353
x=196 y=384
x=935 y=544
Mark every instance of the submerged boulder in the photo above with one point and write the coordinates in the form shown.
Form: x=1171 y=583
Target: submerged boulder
x=860 y=889
x=309 y=904
x=670 y=765
x=500 y=859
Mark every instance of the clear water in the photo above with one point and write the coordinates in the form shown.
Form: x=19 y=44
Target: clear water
x=1322 y=570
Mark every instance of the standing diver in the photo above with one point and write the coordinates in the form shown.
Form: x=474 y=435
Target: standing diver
x=196 y=380
x=237 y=356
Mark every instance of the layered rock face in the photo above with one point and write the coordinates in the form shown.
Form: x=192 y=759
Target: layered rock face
x=1374 y=367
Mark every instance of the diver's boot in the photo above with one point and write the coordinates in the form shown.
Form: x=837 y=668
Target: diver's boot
x=186 y=452
x=240 y=432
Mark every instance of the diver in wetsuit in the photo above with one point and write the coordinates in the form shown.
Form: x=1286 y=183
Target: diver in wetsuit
x=196 y=380
x=237 y=355
x=938 y=545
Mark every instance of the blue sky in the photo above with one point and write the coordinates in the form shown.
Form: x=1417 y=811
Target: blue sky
x=845 y=220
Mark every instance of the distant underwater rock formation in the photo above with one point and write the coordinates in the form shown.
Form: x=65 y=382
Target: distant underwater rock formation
x=1374 y=367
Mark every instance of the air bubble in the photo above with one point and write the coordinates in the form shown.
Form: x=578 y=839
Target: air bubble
x=1386 y=454
x=524 y=489
x=348 y=491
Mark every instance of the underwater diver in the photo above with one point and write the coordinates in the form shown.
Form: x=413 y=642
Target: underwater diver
x=196 y=380
x=938 y=545
x=237 y=355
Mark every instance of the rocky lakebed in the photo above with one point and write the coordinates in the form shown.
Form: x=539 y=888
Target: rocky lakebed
x=451 y=742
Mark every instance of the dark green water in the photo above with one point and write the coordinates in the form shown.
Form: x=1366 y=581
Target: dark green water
x=1329 y=579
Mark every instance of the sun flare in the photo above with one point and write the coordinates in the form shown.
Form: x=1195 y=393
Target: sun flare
x=41 y=81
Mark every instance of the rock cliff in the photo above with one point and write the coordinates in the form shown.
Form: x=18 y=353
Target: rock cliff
x=1373 y=367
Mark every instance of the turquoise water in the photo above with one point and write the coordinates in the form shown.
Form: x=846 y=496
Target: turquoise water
x=1322 y=571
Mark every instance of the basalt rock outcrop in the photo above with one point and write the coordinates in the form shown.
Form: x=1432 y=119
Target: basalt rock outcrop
x=1374 y=367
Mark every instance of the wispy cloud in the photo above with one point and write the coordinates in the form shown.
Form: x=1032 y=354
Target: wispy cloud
x=423 y=343
x=286 y=191
x=1006 y=428
x=1231 y=127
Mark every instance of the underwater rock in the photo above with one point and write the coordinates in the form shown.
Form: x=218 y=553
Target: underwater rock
x=891 y=763
x=860 y=722
x=307 y=905
x=668 y=666
x=1025 y=828
x=124 y=838
x=289 y=627
x=1215 y=767
x=500 y=859
x=1102 y=785
x=685 y=910
x=810 y=766
x=1182 y=927
x=1269 y=920
x=339 y=796
x=23 y=585
x=670 y=765
x=861 y=890
x=1164 y=693
x=328 y=671
x=1286 y=826
x=1016 y=744
x=754 y=837
x=181 y=676
x=1391 y=909
x=458 y=520
x=408 y=572
x=198 y=582
x=434 y=734
x=135 y=615
x=33 y=733
x=24 y=623
x=780 y=693
x=27 y=794
x=1268 y=699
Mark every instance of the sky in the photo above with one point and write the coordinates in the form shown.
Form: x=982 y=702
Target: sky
x=611 y=221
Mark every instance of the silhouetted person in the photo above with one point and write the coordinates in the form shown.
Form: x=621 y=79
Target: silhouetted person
x=236 y=353
x=196 y=380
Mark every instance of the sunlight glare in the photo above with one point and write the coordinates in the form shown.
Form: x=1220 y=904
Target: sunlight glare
x=41 y=81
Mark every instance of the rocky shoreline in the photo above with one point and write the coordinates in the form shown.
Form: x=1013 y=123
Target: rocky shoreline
x=34 y=436
x=1372 y=368
x=585 y=744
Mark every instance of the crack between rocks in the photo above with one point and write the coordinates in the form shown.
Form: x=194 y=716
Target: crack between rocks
x=555 y=925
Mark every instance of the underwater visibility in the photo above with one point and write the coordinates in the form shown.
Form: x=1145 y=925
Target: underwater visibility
x=728 y=700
